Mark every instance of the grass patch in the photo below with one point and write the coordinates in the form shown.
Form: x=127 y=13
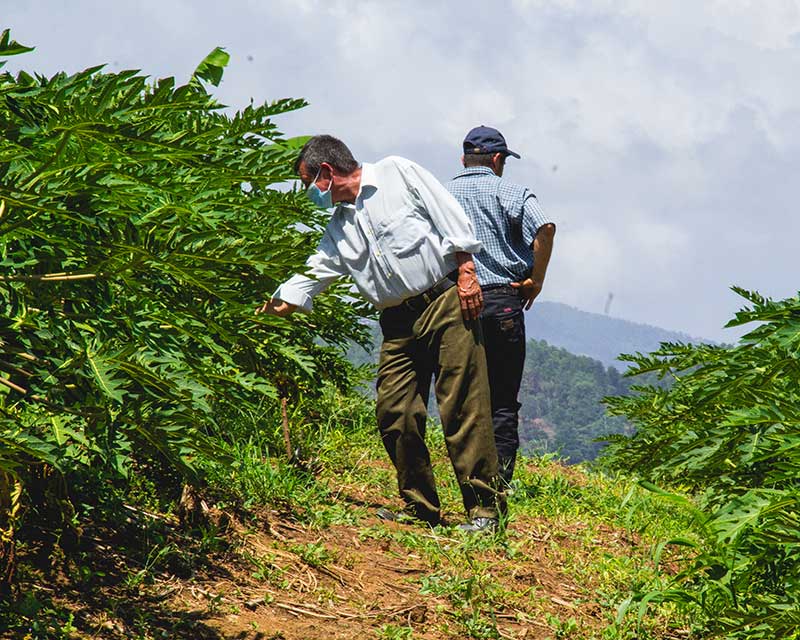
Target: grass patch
x=576 y=545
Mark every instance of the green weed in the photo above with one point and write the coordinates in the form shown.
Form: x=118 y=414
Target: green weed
x=314 y=554
x=563 y=629
x=472 y=601
x=393 y=632
x=155 y=558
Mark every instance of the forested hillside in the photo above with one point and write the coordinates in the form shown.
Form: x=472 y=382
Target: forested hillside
x=562 y=407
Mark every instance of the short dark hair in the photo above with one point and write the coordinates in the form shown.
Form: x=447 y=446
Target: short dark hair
x=325 y=148
x=478 y=159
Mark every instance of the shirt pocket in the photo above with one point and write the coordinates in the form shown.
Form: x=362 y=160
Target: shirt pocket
x=406 y=233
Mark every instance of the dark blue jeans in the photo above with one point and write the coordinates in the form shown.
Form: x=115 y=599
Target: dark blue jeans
x=503 y=324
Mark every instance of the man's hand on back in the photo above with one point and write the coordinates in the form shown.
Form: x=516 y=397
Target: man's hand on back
x=275 y=307
x=528 y=289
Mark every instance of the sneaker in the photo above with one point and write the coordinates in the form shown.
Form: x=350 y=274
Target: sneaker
x=390 y=516
x=479 y=525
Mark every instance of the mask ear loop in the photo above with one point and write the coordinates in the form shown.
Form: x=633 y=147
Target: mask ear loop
x=314 y=180
x=330 y=183
x=316 y=177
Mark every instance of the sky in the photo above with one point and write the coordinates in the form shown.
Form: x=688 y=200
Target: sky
x=660 y=137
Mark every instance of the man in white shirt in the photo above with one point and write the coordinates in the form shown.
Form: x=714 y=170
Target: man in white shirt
x=407 y=244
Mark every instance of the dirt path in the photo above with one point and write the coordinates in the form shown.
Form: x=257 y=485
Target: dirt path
x=340 y=583
x=276 y=578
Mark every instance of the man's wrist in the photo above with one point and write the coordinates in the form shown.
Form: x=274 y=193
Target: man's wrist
x=465 y=260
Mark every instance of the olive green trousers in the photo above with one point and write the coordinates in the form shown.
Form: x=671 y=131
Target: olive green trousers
x=418 y=346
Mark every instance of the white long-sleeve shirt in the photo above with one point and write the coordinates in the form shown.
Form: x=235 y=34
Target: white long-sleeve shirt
x=397 y=240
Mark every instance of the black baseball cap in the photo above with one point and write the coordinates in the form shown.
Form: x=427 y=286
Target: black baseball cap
x=486 y=140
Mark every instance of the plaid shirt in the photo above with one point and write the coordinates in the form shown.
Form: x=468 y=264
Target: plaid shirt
x=506 y=218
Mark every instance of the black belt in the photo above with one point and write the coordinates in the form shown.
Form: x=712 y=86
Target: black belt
x=421 y=301
x=494 y=287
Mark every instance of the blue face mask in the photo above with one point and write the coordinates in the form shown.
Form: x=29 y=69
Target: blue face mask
x=323 y=199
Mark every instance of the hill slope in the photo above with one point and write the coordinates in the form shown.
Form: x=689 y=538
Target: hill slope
x=561 y=396
x=595 y=335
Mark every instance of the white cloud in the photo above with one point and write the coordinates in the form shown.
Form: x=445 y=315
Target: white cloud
x=663 y=138
x=588 y=263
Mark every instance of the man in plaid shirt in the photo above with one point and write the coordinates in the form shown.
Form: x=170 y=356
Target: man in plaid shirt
x=517 y=240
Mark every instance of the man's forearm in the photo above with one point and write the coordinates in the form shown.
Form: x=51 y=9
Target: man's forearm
x=542 y=249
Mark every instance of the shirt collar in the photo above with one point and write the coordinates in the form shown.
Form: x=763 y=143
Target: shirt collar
x=369 y=181
x=368 y=175
x=474 y=171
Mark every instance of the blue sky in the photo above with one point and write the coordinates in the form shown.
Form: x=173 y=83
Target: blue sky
x=663 y=138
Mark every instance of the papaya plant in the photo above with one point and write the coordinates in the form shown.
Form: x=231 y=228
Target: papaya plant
x=728 y=432
x=141 y=222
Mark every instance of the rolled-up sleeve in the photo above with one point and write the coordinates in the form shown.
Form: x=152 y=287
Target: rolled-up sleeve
x=446 y=214
x=323 y=267
x=533 y=217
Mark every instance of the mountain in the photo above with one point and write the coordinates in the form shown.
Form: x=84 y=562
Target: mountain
x=595 y=335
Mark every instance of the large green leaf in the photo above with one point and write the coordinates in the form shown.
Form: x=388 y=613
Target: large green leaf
x=9 y=47
x=213 y=66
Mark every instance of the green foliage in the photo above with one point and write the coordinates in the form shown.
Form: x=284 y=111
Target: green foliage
x=155 y=558
x=729 y=431
x=314 y=554
x=34 y=619
x=562 y=628
x=140 y=224
x=473 y=599
x=394 y=632
x=328 y=431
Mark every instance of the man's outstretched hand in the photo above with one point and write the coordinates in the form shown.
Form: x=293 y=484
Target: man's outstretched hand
x=276 y=307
